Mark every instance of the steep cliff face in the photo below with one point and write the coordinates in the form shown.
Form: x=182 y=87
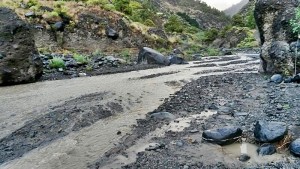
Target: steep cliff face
x=272 y=18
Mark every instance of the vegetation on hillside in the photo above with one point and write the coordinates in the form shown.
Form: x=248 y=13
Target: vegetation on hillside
x=180 y=28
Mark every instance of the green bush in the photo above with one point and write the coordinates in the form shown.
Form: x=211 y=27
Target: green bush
x=125 y=54
x=97 y=2
x=212 y=51
x=211 y=35
x=225 y=30
x=109 y=7
x=295 y=23
x=31 y=3
x=135 y=5
x=57 y=62
x=174 y=24
x=238 y=20
x=248 y=42
x=250 y=20
x=80 y=58
x=123 y=6
x=149 y=22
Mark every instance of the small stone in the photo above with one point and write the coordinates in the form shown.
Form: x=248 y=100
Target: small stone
x=238 y=114
x=277 y=78
x=279 y=107
x=179 y=143
x=266 y=149
x=194 y=131
x=60 y=69
x=59 y=26
x=111 y=33
x=82 y=74
x=244 y=157
x=30 y=14
x=295 y=147
x=186 y=167
x=163 y=116
x=119 y=133
x=155 y=146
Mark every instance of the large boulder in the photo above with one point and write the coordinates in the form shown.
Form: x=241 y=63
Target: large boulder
x=151 y=56
x=272 y=19
x=269 y=132
x=19 y=58
x=222 y=136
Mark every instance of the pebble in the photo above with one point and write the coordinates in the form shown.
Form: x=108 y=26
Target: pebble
x=244 y=157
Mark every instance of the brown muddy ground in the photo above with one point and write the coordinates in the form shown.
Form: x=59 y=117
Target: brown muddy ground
x=90 y=121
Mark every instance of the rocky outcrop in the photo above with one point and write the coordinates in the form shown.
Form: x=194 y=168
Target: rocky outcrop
x=231 y=38
x=19 y=58
x=272 y=19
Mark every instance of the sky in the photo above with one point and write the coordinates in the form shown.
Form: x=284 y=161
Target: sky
x=221 y=4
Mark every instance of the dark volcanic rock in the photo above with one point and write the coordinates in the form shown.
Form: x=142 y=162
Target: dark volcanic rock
x=150 y=56
x=177 y=60
x=222 y=136
x=272 y=19
x=59 y=26
x=295 y=147
x=296 y=79
x=111 y=33
x=266 y=149
x=269 y=131
x=244 y=157
x=19 y=58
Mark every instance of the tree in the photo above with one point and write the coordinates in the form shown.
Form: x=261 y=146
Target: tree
x=237 y=20
x=295 y=24
x=174 y=24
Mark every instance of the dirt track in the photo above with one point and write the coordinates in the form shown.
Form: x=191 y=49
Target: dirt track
x=79 y=142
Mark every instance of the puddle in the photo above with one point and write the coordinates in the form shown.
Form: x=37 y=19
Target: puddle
x=142 y=144
x=235 y=150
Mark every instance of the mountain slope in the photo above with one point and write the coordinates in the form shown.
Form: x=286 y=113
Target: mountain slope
x=206 y=16
x=234 y=9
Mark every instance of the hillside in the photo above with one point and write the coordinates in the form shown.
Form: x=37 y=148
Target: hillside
x=206 y=16
x=85 y=25
x=234 y=9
